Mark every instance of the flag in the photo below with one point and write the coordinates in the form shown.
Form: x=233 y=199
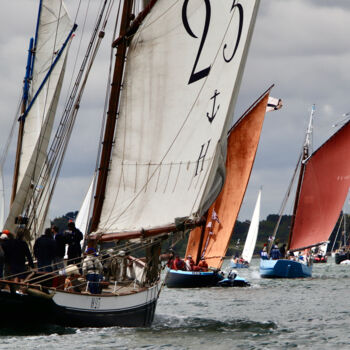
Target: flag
x=214 y=216
x=273 y=104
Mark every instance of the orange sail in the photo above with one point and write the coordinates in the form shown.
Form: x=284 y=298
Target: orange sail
x=242 y=145
x=323 y=191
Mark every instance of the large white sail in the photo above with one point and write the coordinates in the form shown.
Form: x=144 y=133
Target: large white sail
x=53 y=30
x=182 y=78
x=252 y=235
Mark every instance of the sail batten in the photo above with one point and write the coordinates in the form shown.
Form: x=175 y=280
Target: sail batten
x=169 y=137
x=325 y=185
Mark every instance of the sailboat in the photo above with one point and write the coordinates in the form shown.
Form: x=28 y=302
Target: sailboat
x=211 y=241
x=342 y=254
x=250 y=241
x=176 y=75
x=324 y=180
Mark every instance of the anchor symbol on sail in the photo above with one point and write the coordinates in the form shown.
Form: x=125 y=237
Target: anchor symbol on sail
x=213 y=114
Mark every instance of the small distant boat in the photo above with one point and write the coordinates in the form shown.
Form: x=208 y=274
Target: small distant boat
x=250 y=242
x=321 y=192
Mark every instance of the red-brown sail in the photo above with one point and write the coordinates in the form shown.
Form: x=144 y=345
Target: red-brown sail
x=242 y=144
x=324 y=189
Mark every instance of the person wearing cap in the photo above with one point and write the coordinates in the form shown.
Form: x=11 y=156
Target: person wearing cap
x=73 y=236
x=45 y=251
x=3 y=237
x=92 y=269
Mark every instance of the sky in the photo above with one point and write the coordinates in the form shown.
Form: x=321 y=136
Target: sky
x=301 y=46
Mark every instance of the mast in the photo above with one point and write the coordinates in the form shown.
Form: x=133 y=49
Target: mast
x=21 y=120
x=111 y=116
x=306 y=151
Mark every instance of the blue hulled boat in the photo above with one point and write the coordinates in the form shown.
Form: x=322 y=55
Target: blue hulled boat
x=284 y=268
x=320 y=195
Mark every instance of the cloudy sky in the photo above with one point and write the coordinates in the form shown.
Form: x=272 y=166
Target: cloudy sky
x=301 y=46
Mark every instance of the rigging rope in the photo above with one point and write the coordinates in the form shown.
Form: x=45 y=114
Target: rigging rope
x=51 y=169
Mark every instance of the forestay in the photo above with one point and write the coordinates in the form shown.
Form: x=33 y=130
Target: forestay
x=183 y=72
x=323 y=192
x=53 y=29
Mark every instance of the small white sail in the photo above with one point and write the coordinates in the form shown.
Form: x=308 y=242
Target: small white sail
x=252 y=235
x=82 y=219
x=183 y=73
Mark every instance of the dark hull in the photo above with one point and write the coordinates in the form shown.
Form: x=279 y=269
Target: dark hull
x=341 y=257
x=191 y=279
x=31 y=310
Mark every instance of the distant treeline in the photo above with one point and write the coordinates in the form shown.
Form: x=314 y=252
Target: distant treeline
x=266 y=228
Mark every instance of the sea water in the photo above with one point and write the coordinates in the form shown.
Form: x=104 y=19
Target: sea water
x=312 y=313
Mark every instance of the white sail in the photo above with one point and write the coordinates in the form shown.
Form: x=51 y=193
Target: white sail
x=82 y=219
x=181 y=81
x=252 y=235
x=53 y=30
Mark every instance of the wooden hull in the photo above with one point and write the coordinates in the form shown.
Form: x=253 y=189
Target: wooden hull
x=80 y=310
x=284 y=268
x=192 y=279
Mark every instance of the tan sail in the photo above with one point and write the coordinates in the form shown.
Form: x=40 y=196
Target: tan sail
x=241 y=149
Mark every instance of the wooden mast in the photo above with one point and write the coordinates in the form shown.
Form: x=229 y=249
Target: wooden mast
x=111 y=116
x=301 y=174
x=22 y=120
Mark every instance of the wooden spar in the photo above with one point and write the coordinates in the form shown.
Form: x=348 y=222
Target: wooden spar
x=145 y=233
x=18 y=153
x=111 y=117
x=301 y=175
x=135 y=24
x=308 y=247
x=201 y=241
x=21 y=120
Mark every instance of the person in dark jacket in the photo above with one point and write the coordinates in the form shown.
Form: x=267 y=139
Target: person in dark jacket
x=275 y=252
x=3 y=237
x=45 y=251
x=60 y=240
x=73 y=236
x=16 y=253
